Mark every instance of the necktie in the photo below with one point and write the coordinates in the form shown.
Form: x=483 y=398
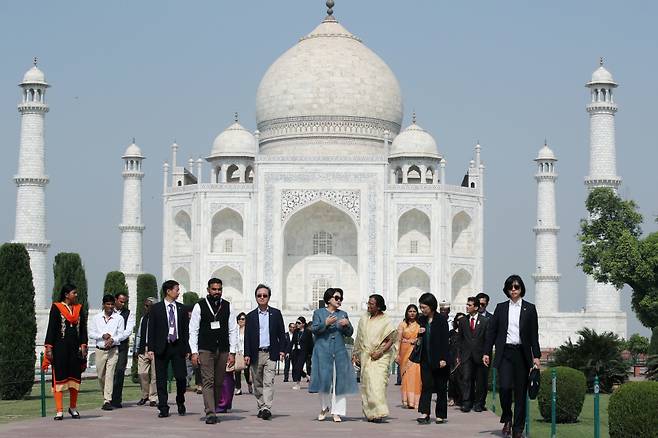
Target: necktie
x=472 y=325
x=172 y=323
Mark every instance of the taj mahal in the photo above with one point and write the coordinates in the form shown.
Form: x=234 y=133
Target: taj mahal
x=328 y=189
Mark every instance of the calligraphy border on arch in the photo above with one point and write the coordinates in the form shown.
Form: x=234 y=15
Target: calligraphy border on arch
x=347 y=200
x=270 y=178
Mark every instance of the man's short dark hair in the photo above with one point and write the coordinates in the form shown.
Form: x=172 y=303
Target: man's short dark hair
x=215 y=281
x=118 y=294
x=473 y=300
x=262 y=286
x=168 y=285
x=429 y=300
x=510 y=281
x=108 y=298
x=482 y=295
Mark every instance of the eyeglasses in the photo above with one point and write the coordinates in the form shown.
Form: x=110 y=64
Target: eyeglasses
x=337 y=298
x=515 y=287
x=262 y=296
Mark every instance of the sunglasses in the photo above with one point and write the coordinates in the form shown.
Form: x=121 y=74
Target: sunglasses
x=515 y=287
x=337 y=298
x=241 y=319
x=262 y=296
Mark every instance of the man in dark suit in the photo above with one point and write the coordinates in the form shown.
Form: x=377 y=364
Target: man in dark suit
x=513 y=329
x=472 y=332
x=483 y=300
x=264 y=345
x=289 y=337
x=168 y=342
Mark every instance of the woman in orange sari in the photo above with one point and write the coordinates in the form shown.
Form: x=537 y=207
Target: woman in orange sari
x=410 y=372
x=66 y=348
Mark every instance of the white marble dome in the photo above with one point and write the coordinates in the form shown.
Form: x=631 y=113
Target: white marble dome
x=235 y=141
x=602 y=75
x=133 y=151
x=34 y=76
x=414 y=142
x=546 y=153
x=329 y=84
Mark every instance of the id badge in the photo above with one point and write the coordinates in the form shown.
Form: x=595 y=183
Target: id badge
x=214 y=325
x=171 y=330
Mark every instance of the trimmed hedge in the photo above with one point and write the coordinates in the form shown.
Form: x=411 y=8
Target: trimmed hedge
x=571 y=387
x=633 y=411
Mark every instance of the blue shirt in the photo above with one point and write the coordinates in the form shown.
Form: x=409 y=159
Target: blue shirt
x=264 y=328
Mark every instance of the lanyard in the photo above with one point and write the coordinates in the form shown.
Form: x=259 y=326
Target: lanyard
x=214 y=314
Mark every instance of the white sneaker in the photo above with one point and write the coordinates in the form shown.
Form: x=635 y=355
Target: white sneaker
x=323 y=414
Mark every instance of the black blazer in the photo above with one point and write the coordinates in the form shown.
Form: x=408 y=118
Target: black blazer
x=471 y=345
x=439 y=339
x=528 y=331
x=278 y=342
x=159 y=329
x=303 y=340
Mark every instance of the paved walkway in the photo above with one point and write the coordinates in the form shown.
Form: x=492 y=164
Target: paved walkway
x=294 y=415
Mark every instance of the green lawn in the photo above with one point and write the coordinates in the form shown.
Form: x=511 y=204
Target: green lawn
x=584 y=428
x=90 y=397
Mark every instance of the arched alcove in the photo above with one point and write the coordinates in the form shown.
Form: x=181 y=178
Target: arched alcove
x=412 y=283
x=462 y=234
x=182 y=233
x=232 y=283
x=227 y=232
x=414 y=233
x=461 y=288
x=183 y=277
x=232 y=174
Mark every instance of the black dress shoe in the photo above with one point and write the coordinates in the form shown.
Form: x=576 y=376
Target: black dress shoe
x=260 y=414
x=142 y=402
x=423 y=420
x=163 y=413
x=74 y=413
x=107 y=407
x=117 y=405
x=211 y=419
x=153 y=404
x=477 y=408
x=507 y=429
x=59 y=416
x=181 y=409
x=266 y=415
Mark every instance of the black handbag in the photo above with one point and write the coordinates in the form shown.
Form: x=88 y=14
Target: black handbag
x=417 y=353
x=534 y=379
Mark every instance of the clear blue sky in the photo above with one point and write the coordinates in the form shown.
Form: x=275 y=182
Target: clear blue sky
x=507 y=73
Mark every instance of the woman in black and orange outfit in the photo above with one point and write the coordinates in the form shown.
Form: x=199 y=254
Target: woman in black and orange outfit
x=66 y=348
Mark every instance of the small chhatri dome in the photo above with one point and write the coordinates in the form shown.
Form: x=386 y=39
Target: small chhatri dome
x=414 y=142
x=133 y=151
x=34 y=75
x=545 y=153
x=235 y=141
x=601 y=75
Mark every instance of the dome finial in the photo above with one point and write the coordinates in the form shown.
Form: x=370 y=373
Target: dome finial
x=601 y=61
x=133 y=140
x=235 y=117
x=34 y=61
x=330 y=5
x=545 y=142
x=413 y=117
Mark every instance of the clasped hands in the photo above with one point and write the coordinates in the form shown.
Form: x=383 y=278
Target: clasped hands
x=332 y=319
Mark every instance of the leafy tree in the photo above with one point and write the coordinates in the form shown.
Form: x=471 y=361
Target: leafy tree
x=18 y=325
x=190 y=298
x=115 y=282
x=637 y=345
x=147 y=286
x=614 y=251
x=595 y=355
x=652 y=367
x=68 y=269
x=653 y=345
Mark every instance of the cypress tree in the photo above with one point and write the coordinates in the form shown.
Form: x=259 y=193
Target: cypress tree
x=115 y=282
x=68 y=269
x=18 y=325
x=190 y=298
x=147 y=286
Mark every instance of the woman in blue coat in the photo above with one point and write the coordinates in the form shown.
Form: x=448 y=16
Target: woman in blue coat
x=332 y=373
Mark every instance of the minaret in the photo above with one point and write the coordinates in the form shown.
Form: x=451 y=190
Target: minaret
x=602 y=297
x=32 y=180
x=131 y=224
x=546 y=276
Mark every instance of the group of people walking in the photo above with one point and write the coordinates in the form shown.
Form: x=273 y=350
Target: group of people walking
x=224 y=345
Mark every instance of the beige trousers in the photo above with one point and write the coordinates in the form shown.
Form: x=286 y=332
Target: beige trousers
x=146 y=372
x=213 y=368
x=263 y=374
x=106 y=363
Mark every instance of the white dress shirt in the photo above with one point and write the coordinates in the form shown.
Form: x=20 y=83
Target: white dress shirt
x=129 y=326
x=264 y=328
x=513 y=321
x=100 y=325
x=195 y=321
